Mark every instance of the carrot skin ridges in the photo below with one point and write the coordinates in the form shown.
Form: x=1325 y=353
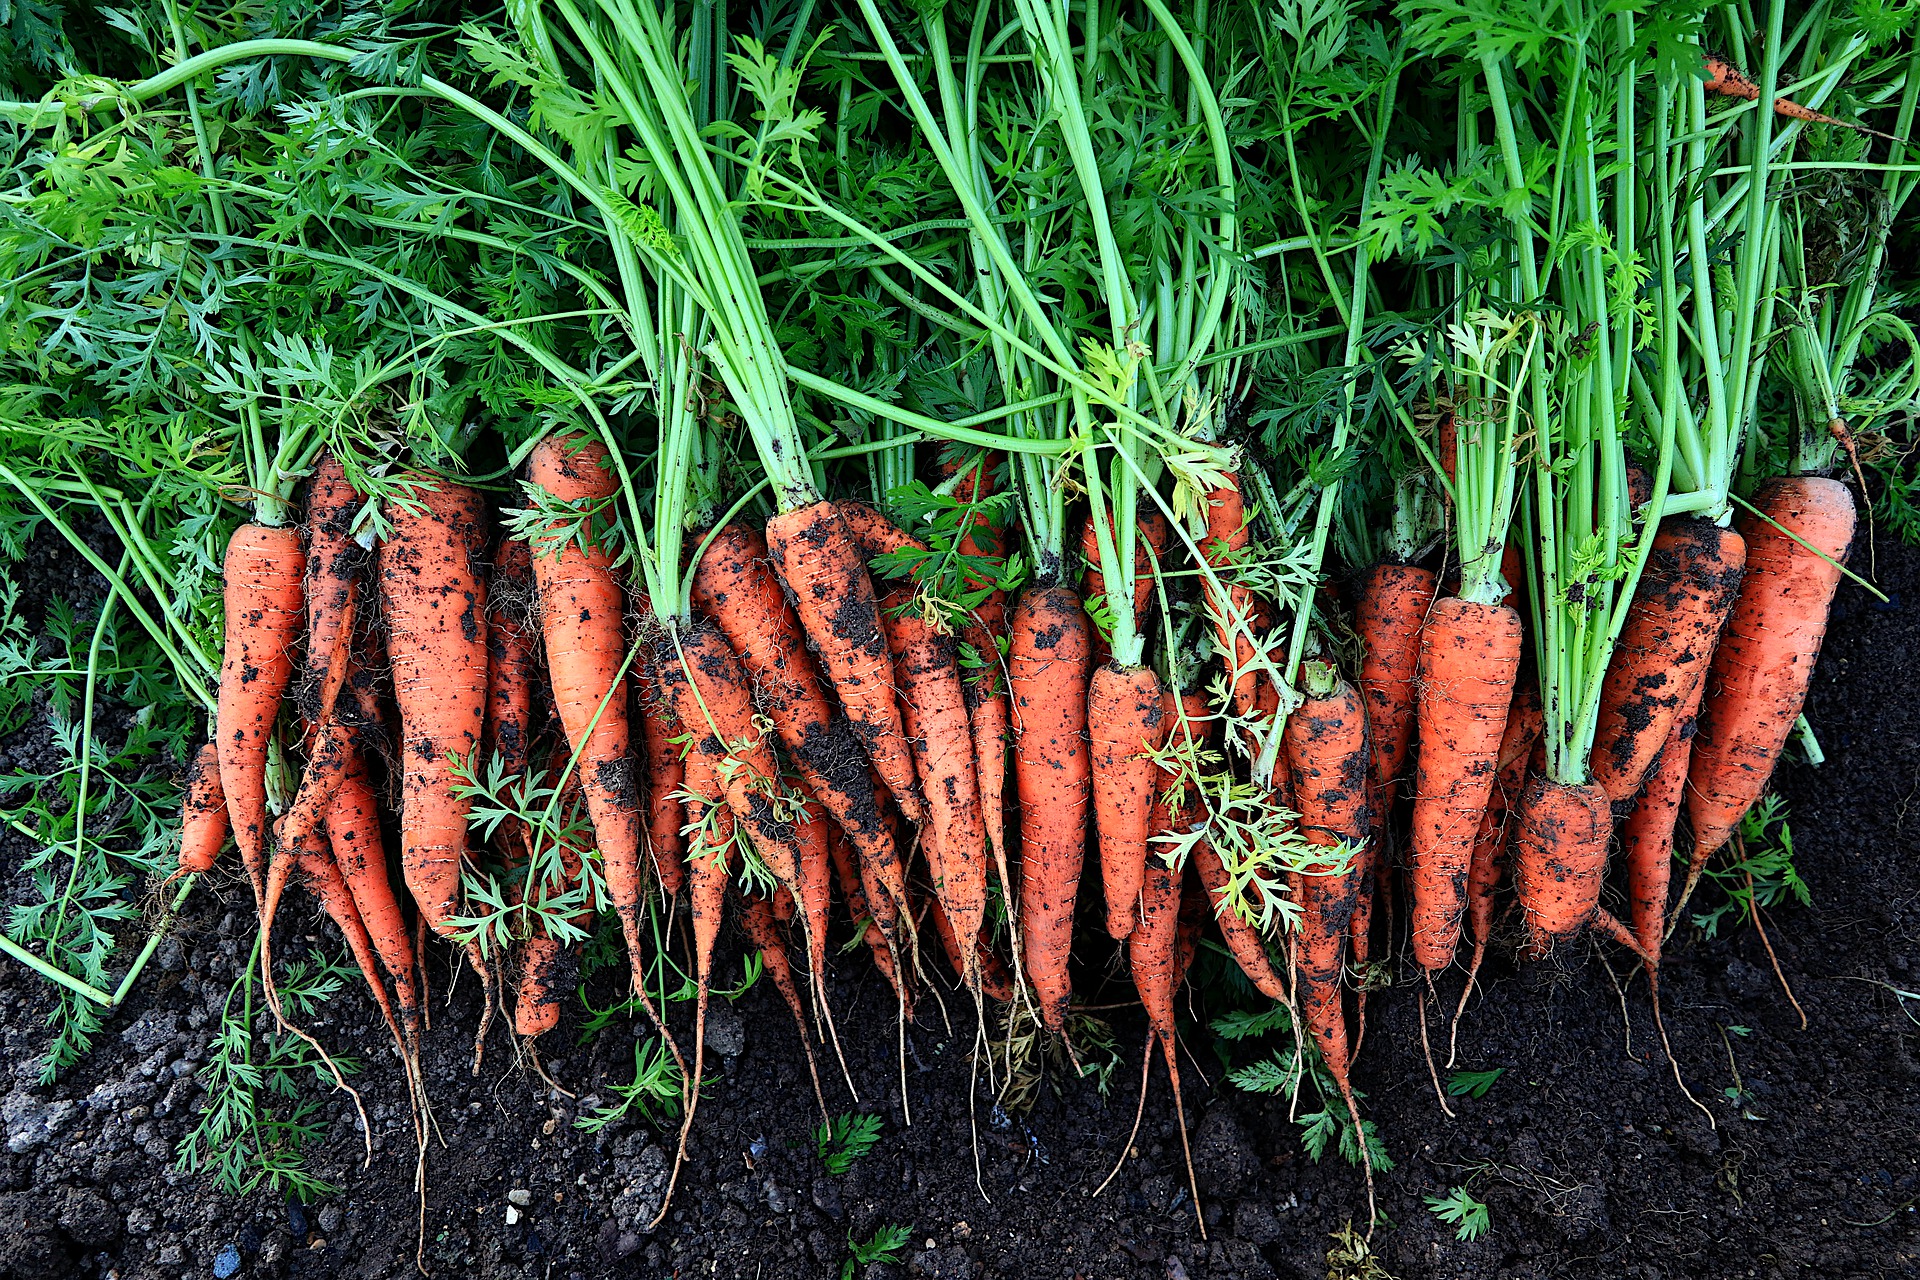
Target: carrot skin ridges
x=265 y=611
x=1469 y=658
x=512 y=658
x=1049 y=667
x=736 y=587
x=665 y=772
x=816 y=556
x=1151 y=943
x=203 y=813
x=335 y=562
x=1125 y=722
x=1560 y=860
x=1685 y=594
x=1760 y=673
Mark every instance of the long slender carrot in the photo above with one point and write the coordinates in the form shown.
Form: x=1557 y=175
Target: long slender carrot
x=1049 y=669
x=353 y=831
x=666 y=770
x=336 y=563
x=1126 y=722
x=323 y=880
x=512 y=656
x=990 y=716
x=1151 y=955
x=297 y=828
x=1758 y=681
x=1646 y=837
x=1469 y=657
x=983 y=967
x=265 y=612
x=735 y=586
x=859 y=907
x=582 y=617
x=1524 y=725
x=1560 y=859
x=763 y=931
x=1724 y=79
x=817 y=558
x=1685 y=594
x=203 y=814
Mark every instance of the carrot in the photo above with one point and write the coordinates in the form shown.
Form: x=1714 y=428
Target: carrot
x=1685 y=594
x=816 y=556
x=1646 y=837
x=1152 y=531
x=1469 y=656
x=512 y=656
x=1560 y=859
x=995 y=983
x=1051 y=646
x=1760 y=673
x=1723 y=78
x=1193 y=917
x=303 y=818
x=860 y=909
x=203 y=814
x=1227 y=536
x=1152 y=946
x=763 y=930
x=935 y=710
x=666 y=770
x=323 y=880
x=435 y=608
x=1246 y=942
x=1524 y=726
x=735 y=586
x=546 y=973
x=335 y=563
x=1126 y=722
x=582 y=615
x=353 y=830
x=1328 y=758
x=989 y=715
x=264 y=614
x=811 y=840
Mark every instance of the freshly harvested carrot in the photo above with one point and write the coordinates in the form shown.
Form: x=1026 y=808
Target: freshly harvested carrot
x=512 y=656
x=1524 y=726
x=265 y=612
x=1227 y=536
x=1152 y=946
x=353 y=830
x=763 y=931
x=582 y=617
x=303 y=818
x=666 y=770
x=1327 y=756
x=1469 y=657
x=1646 y=837
x=735 y=586
x=1126 y=723
x=1760 y=673
x=323 y=880
x=1685 y=594
x=1248 y=946
x=986 y=969
x=546 y=969
x=335 y=564
x=203 y=814
x=936 y=723
x=1152 y=531
x=1048 y=673
x=859 y=907
x=1193 y=918
x=989 y=715
x=1560 y=859
x=816 y=556
x=1393 y=605
x=811 y=840
x=1724 y=79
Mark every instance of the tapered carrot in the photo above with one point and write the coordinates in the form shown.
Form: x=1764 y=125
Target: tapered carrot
x=1231 y=612
x=547 y=968
x=859 y=907
x=665 y=770
x=1126 y=723
x=299 y=827
x=203 y=814
x=1152 y=531
x=983 y=966
x=1646 y=837
x=265 y=612
x=763 y=931
x=935 y=713
x=1151 y=955
x=1723 y=78
x=353 y=831
x=582 y=617
x=816 y=556
x=512 y=656
x=323 y=880
x=1469 y=657
x=989 y=715
x=336 y=563
x=1051 y=647
x=1560 y=859
x=1248 y=946
x=1685 y=594
x=811 y=840
x=735 y=586
x=1760 y=673
x=1524 y=725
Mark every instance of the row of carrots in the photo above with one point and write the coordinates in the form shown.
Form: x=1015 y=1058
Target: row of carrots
x=826 y=722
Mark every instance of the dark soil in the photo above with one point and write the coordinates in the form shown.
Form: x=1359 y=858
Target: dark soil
x=1591 y=1160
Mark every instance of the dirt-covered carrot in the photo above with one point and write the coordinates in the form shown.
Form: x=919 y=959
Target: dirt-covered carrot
x=298 y=829
x=818 y=559
x=665 y=769
x=1227 y=536
x=265 y=612
x=324 y=881
x=854 y=890
x=763 y=931
x=990 y=716
x=1760 y=673
x=1049 y=667
x=1154 y=533
x=512 y=656
x=336 y=563
x=203 y=814
x=1517 y=744
x=582 y=617
x=1469 y=657
x=1646 y=837
x=1152 y=946
x=1685 y=594
x=984 y=966
x=1126 y=723
x=1725 y=79
x=353 y=830
x=1559 y=859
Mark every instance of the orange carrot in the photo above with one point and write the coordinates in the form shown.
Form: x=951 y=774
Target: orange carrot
x=763 y=930
x=986 y=969
x=666 y=770
x=1524 y=725
x=265 y=612
x=816 y=556
x=1048 y=668
x=546 y=969
x=1560 y=859
x=1151 y=531
x=1126 y=723
x=303 y=818
x=810 y=840
x=203 y=814
x=1646 y=837
x=512 y=656
x=1469 y=656
x=582 y=615
x=1227 y=536
x=324 y=882
x=1248 y=945
x=1685 y=594
x=860 y=909
x=989 y=714
x=1723 y=78
x=353 y=830
x=1760 y=673
x=335 y=562
x=1152 y=946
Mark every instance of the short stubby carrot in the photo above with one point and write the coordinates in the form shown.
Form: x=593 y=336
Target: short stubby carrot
x=1760 y=673
x=203 y=814
x=582 y=618
x=1126 y=723
x=1469 y=658
x=1685 y=594
x=1048 y=668
x=435 y=608
x=818 y=559
x=1560 y=859
x=265 y=613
